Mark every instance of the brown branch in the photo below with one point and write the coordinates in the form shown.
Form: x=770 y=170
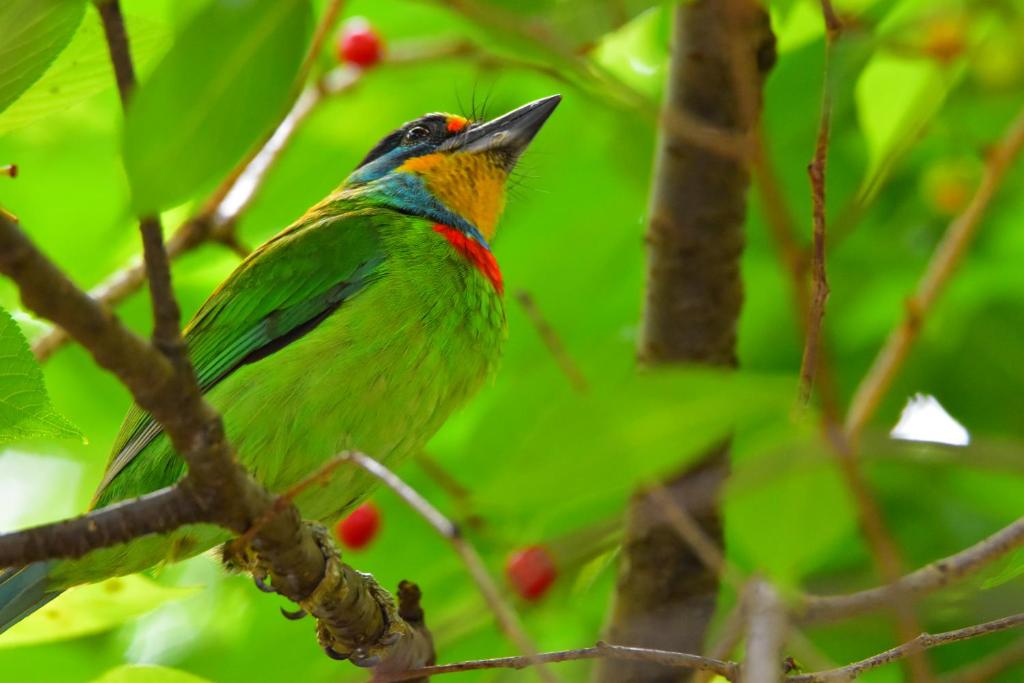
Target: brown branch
x=816 y=173
x=927 y=579
x=157 y=512
x=166 y=313
x=922 y=642
x=552 y=341
x=117 y=45
x=9 y=170
x=728 y=670
x=944 y=262
x=665 y=594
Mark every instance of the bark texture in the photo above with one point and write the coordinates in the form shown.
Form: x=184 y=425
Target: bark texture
x=722 y=50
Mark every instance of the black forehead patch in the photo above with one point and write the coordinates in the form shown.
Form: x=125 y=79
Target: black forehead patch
x=436 y=124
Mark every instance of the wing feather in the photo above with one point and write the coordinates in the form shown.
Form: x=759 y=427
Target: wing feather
x=282 y=290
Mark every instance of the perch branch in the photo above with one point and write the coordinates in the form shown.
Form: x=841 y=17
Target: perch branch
x=922 y=642
x=728 y=670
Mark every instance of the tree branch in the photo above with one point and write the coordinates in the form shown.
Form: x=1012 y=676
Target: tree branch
x=816 y=173
x=927 y=579
x=728 y=670
x=919 y=644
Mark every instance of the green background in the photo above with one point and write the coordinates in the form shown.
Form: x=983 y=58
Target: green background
x=546 y=464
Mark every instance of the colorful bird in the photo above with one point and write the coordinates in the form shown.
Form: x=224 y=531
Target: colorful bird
x=362 y=325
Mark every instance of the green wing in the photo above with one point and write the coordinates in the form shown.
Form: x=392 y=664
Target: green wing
x=280 y=292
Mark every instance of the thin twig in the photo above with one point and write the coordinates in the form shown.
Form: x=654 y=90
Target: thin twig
x=166 y=313
x=927 y=579
x=816 y=173
x=944 y=262
x=552 y=341
x=728 y=670
x=503 y=612
x=922 y=642
x=9 y=170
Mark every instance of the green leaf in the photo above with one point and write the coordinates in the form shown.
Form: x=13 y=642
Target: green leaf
x=571 y=458
x=895 y=98
x=130 y=673
x=83 y=69
x=34 y=33
x=92 y=608
x=25 y=410
x=225 y=80
x=1013 y=567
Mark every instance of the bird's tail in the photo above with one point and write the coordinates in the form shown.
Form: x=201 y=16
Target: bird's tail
x=22 y=592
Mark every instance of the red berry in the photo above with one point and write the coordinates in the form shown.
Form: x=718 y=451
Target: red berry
x=359 y=44
x=359 y=528
x=531 y=571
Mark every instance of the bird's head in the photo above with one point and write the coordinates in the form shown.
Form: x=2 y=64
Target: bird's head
x=450 y=169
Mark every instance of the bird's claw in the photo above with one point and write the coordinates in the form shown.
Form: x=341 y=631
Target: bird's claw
x=364 y=659
x=363 y=654
x=293 y=615
x=261 y=583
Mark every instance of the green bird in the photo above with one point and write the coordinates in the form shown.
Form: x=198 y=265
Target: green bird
x=362 y=325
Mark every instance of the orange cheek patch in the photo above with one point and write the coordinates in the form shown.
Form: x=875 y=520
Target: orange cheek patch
x=471 y=185
x=456 y=123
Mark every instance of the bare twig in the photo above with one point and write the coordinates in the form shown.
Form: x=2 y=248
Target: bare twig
x=816 y=172
x=927 y=579
x=552 y=341
x=166 y=313
x=922 y=642
x=946 y=258
x=728 y=670
x=9 y=170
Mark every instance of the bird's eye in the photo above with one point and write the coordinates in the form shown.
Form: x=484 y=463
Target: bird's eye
x=417 y=134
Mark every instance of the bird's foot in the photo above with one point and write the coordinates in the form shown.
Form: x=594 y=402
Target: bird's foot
x=342 y=593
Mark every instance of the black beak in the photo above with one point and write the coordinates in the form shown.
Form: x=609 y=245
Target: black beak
x=507 y=136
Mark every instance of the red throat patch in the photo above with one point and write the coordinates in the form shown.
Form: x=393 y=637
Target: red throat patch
x=477 y=254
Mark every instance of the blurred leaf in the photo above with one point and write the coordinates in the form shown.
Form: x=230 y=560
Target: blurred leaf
x=92 y=608
x=569 y=457
x=34 y=32
x=895 y=98
x=1013 y=568
x=25 y=410
x=578 y=21
x=223 y=83
x=83 y=69
x=130 y=673
x=637 y=53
